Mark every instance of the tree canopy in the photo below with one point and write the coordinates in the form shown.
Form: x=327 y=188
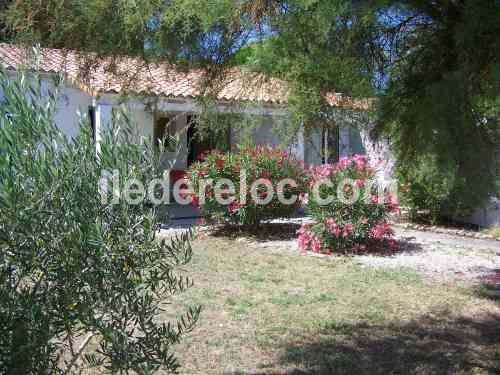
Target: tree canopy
x=433 y=65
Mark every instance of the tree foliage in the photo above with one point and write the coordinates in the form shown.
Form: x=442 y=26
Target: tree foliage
x=433 y=65
x=74 y=269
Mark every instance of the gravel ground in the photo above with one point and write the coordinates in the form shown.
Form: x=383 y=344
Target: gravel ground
x=441 y=256
x=438 y=256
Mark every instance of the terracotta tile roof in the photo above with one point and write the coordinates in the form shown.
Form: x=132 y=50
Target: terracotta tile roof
x=126 y=74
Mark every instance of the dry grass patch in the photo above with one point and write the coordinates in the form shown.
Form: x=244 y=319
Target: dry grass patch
x=493 y=231
x=271 y=313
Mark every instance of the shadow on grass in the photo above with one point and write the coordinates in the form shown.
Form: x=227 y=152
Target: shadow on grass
x=261 y=233
x=288 y=231
x=488 y=291
x=427 y=346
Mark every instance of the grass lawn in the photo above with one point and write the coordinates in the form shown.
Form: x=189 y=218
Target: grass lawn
x=280 y=313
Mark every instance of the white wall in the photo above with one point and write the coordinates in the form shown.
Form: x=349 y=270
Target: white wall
x=178 y=159
x=264 y=134
x=71 y=104
x=486 y=216
x=379 y=152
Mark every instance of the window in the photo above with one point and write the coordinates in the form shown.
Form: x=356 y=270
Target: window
x=355 y=142
x=322 y=145
x=330 y=143
x=92 y=119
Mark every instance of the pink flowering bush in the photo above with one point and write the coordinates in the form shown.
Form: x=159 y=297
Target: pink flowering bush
x=339 y=226
x=268 y=164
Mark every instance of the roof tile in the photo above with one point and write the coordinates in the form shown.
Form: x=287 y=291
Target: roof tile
x=126 y=74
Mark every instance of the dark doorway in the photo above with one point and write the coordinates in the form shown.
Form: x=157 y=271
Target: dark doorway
x=162 y=128
x=201 y=143
x=330 y=143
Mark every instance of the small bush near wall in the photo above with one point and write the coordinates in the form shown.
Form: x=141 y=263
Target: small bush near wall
x=434 y=191
x=341 y=225
x=260 y=164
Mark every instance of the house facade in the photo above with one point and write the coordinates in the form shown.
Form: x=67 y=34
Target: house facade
x=162 y=99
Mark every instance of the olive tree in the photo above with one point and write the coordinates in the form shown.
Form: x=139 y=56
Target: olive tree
x=83 y=282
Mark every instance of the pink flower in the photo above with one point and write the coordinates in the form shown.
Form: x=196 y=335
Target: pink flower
x=315 y=245
x=392 y=244
x=322 y=171
x=343 y=162
x=234 y=206
x=381 y=230
x=360 y=162
x=333 y=227
x=304 y=239
x=359 y=182
x=392 y=204
x=348 y=228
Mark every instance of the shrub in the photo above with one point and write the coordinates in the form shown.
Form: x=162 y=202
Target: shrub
x=434 y=190
x=270 y=165
x=341 y=226
x=73 y=269
x=426 y=188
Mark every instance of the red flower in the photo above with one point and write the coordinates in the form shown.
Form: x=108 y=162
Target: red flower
x=195 y=201
x=219 y=163
x=234 y=206
x=202 y=155
x=265 y=175
x=392 y=244
x=348 y=228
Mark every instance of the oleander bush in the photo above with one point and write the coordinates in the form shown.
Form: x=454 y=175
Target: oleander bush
x=83 y=282
x=341 y=222
x=269 y=165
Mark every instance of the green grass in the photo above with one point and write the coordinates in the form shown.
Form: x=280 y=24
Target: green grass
x=493 y=231
x=273 y=313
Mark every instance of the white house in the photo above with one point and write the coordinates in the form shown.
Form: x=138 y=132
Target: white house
x=162 y=98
